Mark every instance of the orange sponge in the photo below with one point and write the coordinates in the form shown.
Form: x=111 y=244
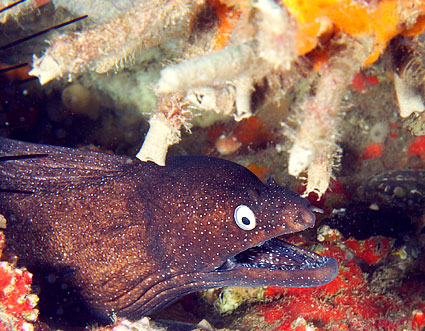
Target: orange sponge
x=382 y=21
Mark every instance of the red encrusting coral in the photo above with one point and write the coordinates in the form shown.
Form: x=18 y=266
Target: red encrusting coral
x=372 y=151
x=347 y=302
x=335 y=192
x=228 y=17
x=250 y=133
x=363 y=83
x=417 y=147
x=418 y=319
x=17 y=304
x=372 y=250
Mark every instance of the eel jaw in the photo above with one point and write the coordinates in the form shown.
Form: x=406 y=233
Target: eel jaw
x=275 y=255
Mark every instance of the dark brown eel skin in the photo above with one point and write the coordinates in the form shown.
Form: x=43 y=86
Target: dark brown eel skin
x=133 y=236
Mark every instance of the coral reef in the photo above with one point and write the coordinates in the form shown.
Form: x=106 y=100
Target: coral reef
x=17 y=303
x=255 y=44
x=264 y=43
x=321 y=95
x=402 y=188
x=407 y=56
x=350 y=302
x=315 y=146
x=108 y=45
x=359 y=38
x=164 y=129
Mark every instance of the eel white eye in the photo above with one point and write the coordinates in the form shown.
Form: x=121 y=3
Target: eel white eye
x=244 y=217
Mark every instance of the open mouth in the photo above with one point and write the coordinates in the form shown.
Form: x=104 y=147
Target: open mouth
x=275 y=254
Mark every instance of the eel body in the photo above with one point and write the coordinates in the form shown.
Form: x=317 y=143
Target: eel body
x=132 y=236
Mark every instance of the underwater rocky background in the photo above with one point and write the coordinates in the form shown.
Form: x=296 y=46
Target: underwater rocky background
x=335 y=109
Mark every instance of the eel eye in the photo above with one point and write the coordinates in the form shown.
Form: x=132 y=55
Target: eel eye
x=244 y=217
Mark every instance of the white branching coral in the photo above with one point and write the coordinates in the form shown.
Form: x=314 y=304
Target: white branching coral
x=108 y=45
x=265 y=47
x=315 y=149
x=220 y=80
x=223 y=81
x=214 y=68
x=261 y=44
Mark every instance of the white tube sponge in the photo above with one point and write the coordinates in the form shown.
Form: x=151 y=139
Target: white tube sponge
x=108 y=45
x=157 y=140
x=164 y=129
x=244 y=89
x=315 y=146
x=276 y=34
x=216 y=67
x=408 y=97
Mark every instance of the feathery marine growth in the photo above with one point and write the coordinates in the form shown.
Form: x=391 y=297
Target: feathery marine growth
x=256 y=42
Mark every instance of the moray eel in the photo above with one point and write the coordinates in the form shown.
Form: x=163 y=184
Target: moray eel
x=133 y=236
